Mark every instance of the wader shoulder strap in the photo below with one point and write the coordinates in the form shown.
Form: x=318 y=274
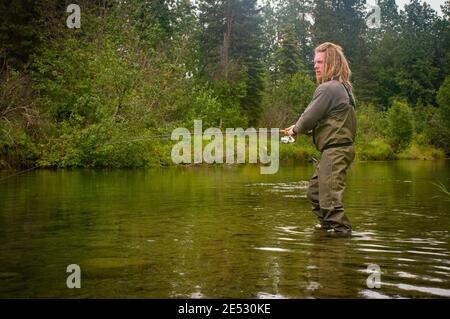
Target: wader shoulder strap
x=350 y=96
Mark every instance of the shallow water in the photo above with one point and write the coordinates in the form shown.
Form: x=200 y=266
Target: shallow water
x=213 y=232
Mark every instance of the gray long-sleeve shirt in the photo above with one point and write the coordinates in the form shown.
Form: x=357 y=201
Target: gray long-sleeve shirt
x=329 y=98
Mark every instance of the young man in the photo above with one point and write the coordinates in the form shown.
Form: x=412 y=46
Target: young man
x=331 y=118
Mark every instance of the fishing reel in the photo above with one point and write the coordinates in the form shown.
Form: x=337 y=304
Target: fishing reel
x=287 y=139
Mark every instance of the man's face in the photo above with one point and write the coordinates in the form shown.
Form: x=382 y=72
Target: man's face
x=319 y=64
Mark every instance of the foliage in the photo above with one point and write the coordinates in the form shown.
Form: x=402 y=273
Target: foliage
x=421 y=152
x=218 y=107
x=301 y=150
x=440 y=125
x=400 y=125
x=103 y=95
x=371 y=123
x=376 y=149
x=230 y=37
x=288 y=98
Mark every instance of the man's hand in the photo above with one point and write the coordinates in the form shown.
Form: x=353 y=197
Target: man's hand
x=289 y=130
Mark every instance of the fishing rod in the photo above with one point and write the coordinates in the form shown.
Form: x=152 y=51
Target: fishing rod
x=284 y=139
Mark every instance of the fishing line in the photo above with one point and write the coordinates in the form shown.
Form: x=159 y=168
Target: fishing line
x=284 y=139
x=18 y=173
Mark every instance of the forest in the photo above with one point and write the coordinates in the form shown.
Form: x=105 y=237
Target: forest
x=107 y=94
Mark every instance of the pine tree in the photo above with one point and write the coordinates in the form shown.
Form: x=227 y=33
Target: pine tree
x=417 y=52
x=382 y=60
x=288 y=54
x=390 y=18
x=231 y=44
x=295 y=14
x=270 y=41
x=343 y=22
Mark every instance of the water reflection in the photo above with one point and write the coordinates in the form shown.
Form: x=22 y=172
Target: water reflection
x=328 y=268
x=222 y=232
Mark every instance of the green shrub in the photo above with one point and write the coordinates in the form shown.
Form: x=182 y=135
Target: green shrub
x=439 y=128
x=17 y=149
x=216 y=107
x=286 y=100
x=421 y=152
x=103 y=145
x=400 y=125
x=377 y=149
x=302 y=150
x=371 y=123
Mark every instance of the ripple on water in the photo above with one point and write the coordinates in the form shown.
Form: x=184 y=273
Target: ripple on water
x=427 y=290
x=372 y=294
x=273 y=249
x=266 y=295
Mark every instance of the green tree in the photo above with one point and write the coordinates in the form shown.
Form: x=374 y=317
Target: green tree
x=417 y=71
x=288 y=54
x=443 y=99
x=295 y=14
x=269 y=29
x=390 y=18
x=400 y=125
x=409 y=56
x=246 y=48
x=289 y=88
x=285 y=101
x=343 y=22
x=383 y=69
x=439 y=128
x=232 y=35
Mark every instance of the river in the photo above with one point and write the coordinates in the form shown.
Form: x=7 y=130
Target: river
x=223 y=232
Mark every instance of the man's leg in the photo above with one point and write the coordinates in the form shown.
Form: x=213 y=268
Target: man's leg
x=313 y=196
x=332 y=178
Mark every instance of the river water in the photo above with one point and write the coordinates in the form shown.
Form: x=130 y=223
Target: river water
x=224 y=232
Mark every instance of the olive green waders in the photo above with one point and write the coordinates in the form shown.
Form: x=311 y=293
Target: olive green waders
x=327 y=186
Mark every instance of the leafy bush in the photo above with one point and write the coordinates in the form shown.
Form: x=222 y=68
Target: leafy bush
x=286 y=101
x=17 y=149
x=400 y=125
x=439 y=129
x=302 y=150
x=216 y=108
x=371 y=123
x=377 y=149
x=102 y=145
x=20 y=122
x=421 y=152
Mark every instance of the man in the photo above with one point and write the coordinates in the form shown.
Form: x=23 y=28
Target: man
x=331 y=118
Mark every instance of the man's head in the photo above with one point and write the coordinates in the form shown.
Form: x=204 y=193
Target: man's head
x=330 y=64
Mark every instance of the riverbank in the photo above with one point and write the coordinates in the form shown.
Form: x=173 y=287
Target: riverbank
x=375 y=150
x=157 y=153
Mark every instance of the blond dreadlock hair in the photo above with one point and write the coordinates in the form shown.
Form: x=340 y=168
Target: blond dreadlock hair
x=336 y=65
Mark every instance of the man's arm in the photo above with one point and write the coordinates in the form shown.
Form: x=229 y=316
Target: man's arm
x=315 y=111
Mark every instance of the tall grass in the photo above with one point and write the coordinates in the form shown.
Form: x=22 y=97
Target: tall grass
x=443 y=189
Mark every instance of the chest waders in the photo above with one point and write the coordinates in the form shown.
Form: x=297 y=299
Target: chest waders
x=334 y=137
